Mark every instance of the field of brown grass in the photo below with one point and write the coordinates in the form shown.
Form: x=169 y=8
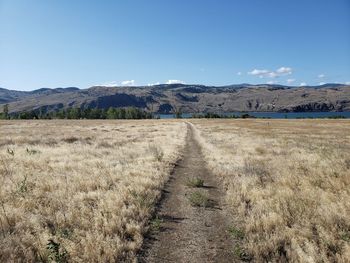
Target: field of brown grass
x=84 y=190
x=288 y=183
x=81 y=191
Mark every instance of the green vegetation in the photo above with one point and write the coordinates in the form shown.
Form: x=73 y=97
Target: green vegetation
x=199 y=199
x=241 y=253
x=56 y=252
x=156 y=223
x=195 y=182
x=236 y=232
x=78 y=113
x=5 y=112
x=178 y=114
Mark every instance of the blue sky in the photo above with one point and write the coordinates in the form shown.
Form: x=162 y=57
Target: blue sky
x=83 y=43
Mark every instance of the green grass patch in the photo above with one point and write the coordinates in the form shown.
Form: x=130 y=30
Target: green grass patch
x=199 y=199
x=195 y=182
x=236 y=232
x=241 y=253
x=156 y=223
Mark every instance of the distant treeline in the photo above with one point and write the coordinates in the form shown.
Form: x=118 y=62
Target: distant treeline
x=120 y=113
x=77 y=113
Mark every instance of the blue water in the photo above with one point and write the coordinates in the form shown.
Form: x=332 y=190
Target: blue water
x=272 y=115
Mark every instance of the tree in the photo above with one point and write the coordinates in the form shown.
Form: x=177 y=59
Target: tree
x=178 y=114
x=111 y=113
x=6 y=111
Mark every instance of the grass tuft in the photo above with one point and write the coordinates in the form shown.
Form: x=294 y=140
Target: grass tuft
x=156 y=223
x=195 y=182
x=199 y=199
x=236 y=232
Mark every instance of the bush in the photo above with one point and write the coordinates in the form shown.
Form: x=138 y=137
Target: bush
x=56 y=252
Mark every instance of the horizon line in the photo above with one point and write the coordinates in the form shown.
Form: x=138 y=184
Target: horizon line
x=185 y=84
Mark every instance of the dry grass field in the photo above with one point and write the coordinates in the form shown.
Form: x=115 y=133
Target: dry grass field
x=84 y=191
x=288 y=183
x=81 y=191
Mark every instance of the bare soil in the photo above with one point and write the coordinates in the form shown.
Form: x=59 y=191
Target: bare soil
x=187 y=233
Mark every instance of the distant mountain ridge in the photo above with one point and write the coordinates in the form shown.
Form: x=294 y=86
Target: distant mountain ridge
x=168 y=98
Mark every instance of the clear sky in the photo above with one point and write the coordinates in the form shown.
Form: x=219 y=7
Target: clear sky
x=83 y=43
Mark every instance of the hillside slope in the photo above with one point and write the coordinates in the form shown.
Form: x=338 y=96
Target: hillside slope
x=187 y=98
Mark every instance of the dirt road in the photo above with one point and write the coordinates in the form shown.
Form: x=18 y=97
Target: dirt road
x=188 y=233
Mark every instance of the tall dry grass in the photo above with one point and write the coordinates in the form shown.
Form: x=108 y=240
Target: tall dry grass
x=81 y=191
x=288 y=183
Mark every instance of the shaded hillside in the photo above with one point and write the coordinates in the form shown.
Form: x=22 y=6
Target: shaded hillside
x=187 y=98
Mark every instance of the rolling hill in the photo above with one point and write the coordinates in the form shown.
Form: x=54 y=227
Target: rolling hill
x=167 y=98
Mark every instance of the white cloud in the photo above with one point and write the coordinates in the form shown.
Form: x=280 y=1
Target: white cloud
x=321 y=76
x=175 y=81
x=321 y=83
x=290 y=81
x=303 y=84
x=153 y=84
x=109 y=84
x=239 y=73
x=128 y=82
x=274 y=74
x=347 y=83
x=258 y=72
x=271 y=82
x=284 y=71
x=264 y=73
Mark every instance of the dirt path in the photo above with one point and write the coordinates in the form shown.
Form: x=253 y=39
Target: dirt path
x=188 y=233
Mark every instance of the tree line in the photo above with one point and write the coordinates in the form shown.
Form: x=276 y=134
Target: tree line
x=78 y=113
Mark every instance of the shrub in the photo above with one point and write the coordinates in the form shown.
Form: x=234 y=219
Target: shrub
x=56 y=253
x=156 y=223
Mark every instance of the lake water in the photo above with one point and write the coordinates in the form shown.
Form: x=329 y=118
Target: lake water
x=272 y=115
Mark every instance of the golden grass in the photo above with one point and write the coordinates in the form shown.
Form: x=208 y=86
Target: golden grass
x=81 y=191
x=288 y=183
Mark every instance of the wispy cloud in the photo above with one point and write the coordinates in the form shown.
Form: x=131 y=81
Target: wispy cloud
x=321 y=76
x=303 y=84
x=271 y=82
x=239 y=73
x=175 y=81
x=347 y=83
x=128 y=83
x=265 y=73
x=290 y=81
x=321 y=83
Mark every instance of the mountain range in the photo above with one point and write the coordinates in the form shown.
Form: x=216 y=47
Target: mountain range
x=168 y=98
